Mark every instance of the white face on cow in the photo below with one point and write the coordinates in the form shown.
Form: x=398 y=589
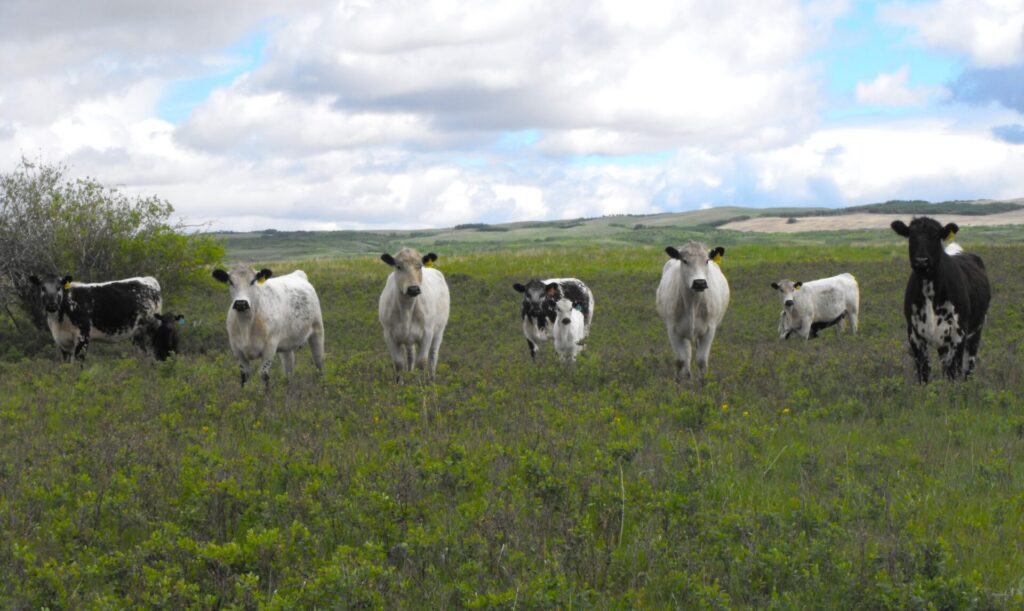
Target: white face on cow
x=241 y=282
x=408 y=269
x=787 y=291
x=693 y=260
x=51 y=290
x=563 y=311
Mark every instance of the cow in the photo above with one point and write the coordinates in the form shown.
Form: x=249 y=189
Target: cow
x=270 y=315
x=413 y=310
x=692 y=298
x=78 y=312
x=809 y=307
x=162 y=333
x=946 y=300
x=538 y=310
x=570 y=330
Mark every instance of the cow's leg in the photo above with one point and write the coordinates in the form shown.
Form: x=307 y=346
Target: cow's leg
x=806 y=330
x=854 y=317
x=288 y=362
x=316 y=345
x=435 y=349
x=265 y=366
x=82 y=345
x=422 y=357
x=65 y=355
x=971 y=345
x=952 y=356
x=919 y=350
x=397 y=352
x=704 y=350
x=243 y=369
x=533 y=349
x=681 y=347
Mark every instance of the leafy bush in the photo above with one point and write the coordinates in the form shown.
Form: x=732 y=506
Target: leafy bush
x=52 y=223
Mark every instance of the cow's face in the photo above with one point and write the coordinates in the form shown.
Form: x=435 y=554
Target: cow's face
x=52 y=290
x=242 y=284
x=163 y=333
x=563 y=311
x=408 y=269
x=693 y=260
x=787 y=290
x=926 y=237
x=539 y=300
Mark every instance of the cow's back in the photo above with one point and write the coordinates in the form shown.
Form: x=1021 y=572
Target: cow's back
x=115 y=309
x=436 y=299
x=978 y=291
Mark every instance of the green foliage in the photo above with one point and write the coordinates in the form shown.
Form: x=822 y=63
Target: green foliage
x=801 y=475
x=51 y=223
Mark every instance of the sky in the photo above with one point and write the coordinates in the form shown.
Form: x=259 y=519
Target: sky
x=318 y=115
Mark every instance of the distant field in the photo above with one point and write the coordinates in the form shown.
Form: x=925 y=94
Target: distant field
x=802 y=475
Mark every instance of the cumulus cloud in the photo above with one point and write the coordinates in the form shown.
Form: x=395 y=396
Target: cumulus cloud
x=1004 y=86
x=989 y=32
x=891 y=89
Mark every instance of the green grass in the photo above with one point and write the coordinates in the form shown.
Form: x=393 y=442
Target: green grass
x=802 y=475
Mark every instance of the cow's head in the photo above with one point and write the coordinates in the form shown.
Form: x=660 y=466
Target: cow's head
x=787 y=290
x=408 y=269
x=242 y=281
x=163 y=333
x=563 y=311
x=693 y=260
x=539 y=300
x=52 y=290
x=926 y=241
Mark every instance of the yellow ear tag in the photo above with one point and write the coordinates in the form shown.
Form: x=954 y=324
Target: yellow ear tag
x=796 y=288
x=950 y=236
x=429 y=263
x=717 y=259
x=261 y=280
x=67 y=286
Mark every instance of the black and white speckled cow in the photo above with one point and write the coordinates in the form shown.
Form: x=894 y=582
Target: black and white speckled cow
x=946 y=300
x=538 y=312
x=108 y=311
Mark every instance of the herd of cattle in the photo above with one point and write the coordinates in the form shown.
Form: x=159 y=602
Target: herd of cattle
x=945 y=306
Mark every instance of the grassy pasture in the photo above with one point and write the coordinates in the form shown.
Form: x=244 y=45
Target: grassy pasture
x=802 y=475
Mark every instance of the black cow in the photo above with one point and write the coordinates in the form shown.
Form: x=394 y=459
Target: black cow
x=538 y=312
x=162 y=332
x=110 y=311
x=946 y=300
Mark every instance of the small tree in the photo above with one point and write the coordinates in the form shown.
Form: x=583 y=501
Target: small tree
x=51 y=223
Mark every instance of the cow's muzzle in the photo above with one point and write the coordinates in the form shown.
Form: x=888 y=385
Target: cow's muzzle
x=51 y=308
x=699 y=285
x=920 y=264
x=788 y=303
x=566 y=321
x=240 y=305
x=413 y=291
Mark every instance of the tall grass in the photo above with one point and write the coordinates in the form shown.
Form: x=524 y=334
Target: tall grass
x=802 y=475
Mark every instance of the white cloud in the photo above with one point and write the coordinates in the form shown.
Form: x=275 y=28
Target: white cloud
x=891 y=89
x=989 y=32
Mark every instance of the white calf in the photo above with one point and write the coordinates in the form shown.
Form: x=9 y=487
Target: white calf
x=570 y=331
x=413 y=310
x=270 y=316
x=692 y=298
x=809 y=307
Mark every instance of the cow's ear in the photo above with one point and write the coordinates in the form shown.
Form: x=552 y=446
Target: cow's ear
x=775 y=285
x=66 y=282
x=263 y=275
x=552 y=290
x=672 y=252
x=949 y=232
x=797 y=284
x=429 y=258
x=34 y=280
x=220 y=275
x=519 y=287
x=716 y=254
x=901 y=228
x=388 y=259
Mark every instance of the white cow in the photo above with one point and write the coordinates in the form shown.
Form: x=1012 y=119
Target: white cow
x=570 y=330
x=809 y=307
x=692 y=299
x=270 y=315
x=413 y=310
